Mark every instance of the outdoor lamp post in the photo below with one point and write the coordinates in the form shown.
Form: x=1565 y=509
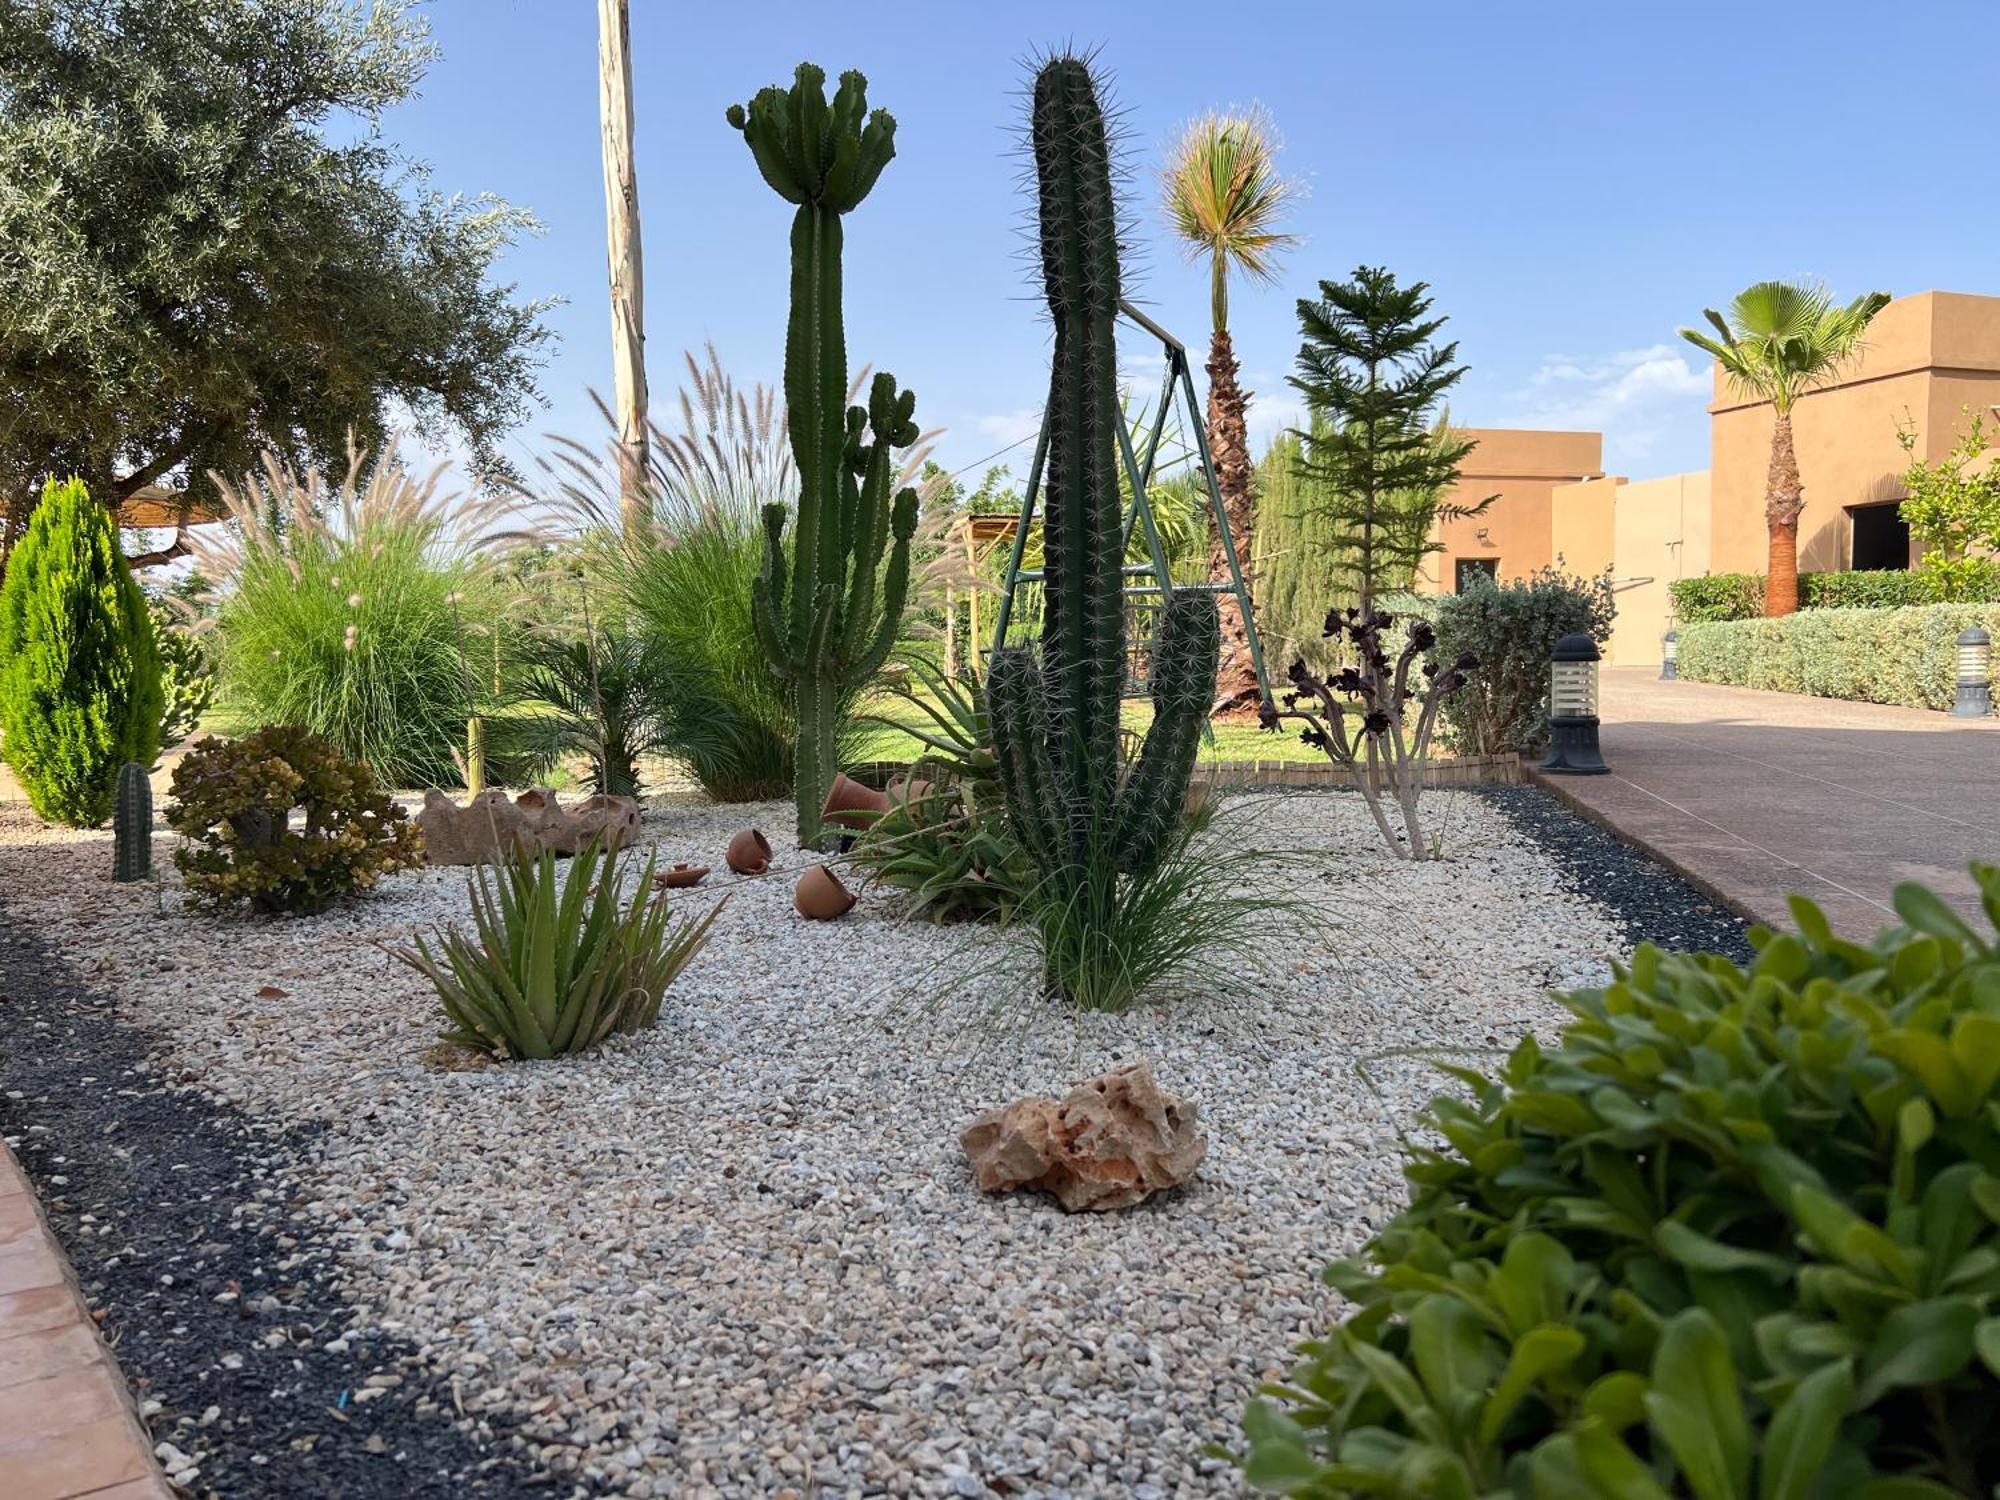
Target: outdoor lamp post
x=1573 y=709
x=1670 y=656
x=1975 y=674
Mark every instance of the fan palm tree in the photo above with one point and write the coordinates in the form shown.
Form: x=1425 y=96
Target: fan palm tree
x=1225 y=199
x=1781 y=340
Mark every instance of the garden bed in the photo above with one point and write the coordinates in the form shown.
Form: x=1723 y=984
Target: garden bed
x=741 y=1254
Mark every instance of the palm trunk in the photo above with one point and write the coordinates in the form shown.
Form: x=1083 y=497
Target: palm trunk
x=1784 y=500
x=1229 y=449
x=621 y=213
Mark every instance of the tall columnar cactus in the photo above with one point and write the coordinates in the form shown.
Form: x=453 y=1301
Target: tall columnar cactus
x=132 y=824
x=827 y=616
x=1056 y=727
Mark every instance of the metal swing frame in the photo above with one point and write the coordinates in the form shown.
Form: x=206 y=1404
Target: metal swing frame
x=1178 y=381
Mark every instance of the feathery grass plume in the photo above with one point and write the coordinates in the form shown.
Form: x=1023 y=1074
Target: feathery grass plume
x=353 y=609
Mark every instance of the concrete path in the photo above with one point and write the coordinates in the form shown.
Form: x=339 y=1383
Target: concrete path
x=1755 y=795
x=67 y=1426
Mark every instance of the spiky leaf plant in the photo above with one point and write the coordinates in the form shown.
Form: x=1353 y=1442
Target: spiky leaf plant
x=79 y=670
x=558 y=958
x=600 y=695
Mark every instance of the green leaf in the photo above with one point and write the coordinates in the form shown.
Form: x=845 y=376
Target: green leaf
x=1986 y=1339
x=1449 y=1347
x=1925 y=912
x=1696 y=1407
x=1613 y=1467
x=1539 y=1353
x=1698 y=1252
x=1803 y=1431
x=1917 y=1344
x=1905 y=1488
x=1929 y=1057
x=1914 y=1125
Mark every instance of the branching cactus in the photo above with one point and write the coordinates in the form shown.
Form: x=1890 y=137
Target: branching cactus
x=132 y=824
x=827 y=616
x=1082 y=816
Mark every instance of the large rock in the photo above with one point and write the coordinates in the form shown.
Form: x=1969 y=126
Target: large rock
x=490 y=826
x=1112 y=1142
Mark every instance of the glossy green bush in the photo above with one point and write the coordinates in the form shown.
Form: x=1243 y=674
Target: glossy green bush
x=1740 y=596
x=1868 y=655
x=1737 y=1238
x=187 y=677
x=1718 y=596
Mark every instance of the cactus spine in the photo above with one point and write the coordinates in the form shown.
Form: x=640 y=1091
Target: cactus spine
x=1056 y=727
x=132 y=824
x=827 y=617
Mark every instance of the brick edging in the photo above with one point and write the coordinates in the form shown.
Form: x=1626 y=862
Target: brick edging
x=68 y=1425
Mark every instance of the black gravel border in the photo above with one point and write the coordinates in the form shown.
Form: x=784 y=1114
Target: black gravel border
x=1647 y=900
x=218 y=1299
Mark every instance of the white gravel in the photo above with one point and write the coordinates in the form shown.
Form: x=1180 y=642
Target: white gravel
x=741 y=1255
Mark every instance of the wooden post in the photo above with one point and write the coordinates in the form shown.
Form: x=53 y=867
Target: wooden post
x=621 y=214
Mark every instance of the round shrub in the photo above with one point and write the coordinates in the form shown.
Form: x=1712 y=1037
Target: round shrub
x=79 y=670
x=187 y=680
x=1739 y=1235
x=234 y=804
x=1511 y=629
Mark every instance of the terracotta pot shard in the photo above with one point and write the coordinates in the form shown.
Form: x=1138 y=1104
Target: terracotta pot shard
x=749 y=853
x=679 y=877
x=851 y=804
x=819 y=895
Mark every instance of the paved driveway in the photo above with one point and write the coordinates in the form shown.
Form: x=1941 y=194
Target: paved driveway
x=1755 y=795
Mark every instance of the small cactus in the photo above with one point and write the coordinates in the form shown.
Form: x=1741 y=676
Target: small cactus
x=132 y=823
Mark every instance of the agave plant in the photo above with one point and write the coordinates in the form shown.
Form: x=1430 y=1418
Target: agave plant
x=557 y=960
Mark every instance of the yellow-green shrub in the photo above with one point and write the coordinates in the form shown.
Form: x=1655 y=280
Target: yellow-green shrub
x=1867 y=655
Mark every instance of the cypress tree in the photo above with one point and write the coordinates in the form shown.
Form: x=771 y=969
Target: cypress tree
x=80 y=691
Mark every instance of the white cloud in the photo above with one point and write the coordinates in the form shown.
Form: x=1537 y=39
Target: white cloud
x=1009 y=426
x=1647 y=402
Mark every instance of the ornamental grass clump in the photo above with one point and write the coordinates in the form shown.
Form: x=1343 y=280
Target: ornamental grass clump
x=558 y=958
x=281 y=821
x=1736 y=1238
x=369 y=612
x=80 y=691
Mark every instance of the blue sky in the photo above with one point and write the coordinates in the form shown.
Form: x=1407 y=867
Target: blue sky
x=1574 y=180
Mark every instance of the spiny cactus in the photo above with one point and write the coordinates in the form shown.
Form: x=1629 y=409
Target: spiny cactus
x=1056 y=727
x=132 y=824
x=827 y=617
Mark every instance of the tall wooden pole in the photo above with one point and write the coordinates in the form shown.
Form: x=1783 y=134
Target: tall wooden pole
x=621 y=214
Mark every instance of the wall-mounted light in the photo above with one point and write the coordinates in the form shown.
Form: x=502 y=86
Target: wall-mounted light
x=1484 y=534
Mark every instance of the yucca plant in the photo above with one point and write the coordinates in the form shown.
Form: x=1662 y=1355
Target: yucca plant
x=557 y=960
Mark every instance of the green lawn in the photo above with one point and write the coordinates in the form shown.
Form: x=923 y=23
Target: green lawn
x=1230 y=742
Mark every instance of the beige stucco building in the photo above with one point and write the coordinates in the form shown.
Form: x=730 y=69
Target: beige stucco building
x=1930 y=360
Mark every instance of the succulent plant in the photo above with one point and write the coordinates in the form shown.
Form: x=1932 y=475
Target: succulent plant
x=827 y=616
x=132 y=824
x=1080 y=814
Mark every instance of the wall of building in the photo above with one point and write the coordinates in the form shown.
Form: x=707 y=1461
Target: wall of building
x=1927 y=358
x=1662 y=533
x=1523 y=468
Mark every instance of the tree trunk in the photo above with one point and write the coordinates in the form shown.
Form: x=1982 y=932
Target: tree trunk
x=621 y=213
x=1229 y=450
x=1784 y=500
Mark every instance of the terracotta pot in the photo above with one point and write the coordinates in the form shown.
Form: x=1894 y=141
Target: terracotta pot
x=681 y=876
x=852 y=805
x=749 y=853
x=909 y=789
x=820 y=897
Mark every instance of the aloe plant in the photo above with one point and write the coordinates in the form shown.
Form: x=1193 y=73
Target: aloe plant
x=557 y=960
x=827 y=615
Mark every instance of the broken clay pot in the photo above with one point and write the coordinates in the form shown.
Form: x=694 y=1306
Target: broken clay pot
x=850 y=804
x=820 y=897
x=749 y=853
x=680 y=877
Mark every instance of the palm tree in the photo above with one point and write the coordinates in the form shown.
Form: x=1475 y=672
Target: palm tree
x=1225 y=198
x=1781 y=340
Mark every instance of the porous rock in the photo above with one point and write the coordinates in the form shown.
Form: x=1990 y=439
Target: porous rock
x=489 y=826
x=1110 y=1143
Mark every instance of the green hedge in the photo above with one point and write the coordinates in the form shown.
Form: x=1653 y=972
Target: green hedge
x=1740 y=596
x=1867 y=655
